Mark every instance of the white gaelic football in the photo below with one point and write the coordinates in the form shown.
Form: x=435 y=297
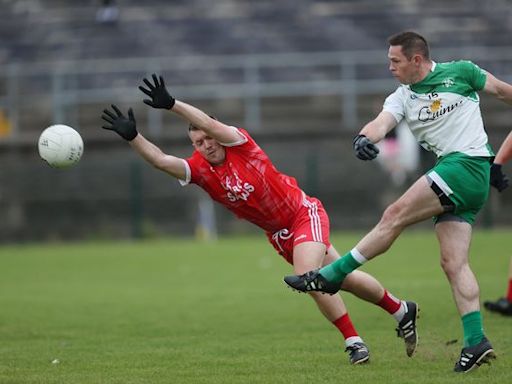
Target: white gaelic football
x=60 y=146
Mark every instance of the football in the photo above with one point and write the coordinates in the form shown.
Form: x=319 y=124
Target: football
x=60 y=146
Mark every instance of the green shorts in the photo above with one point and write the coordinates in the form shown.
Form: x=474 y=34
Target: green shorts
x=465 y=181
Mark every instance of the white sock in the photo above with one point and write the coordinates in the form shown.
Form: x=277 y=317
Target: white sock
x=400 y=313
x=358 y=256
x=352 y=340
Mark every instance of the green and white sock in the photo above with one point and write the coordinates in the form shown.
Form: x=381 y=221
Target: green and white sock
x=338 y=270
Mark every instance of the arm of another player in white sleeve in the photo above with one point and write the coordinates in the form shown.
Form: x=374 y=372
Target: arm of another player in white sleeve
x=172 y=165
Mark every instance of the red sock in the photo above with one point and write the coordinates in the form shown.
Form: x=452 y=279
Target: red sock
x=344 y=324
x=509 y=293
x=389 y=303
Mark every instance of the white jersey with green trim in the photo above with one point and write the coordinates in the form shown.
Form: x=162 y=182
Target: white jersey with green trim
x=443 y=110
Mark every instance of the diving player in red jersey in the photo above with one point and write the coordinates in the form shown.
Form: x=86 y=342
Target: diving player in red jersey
x=229 y=165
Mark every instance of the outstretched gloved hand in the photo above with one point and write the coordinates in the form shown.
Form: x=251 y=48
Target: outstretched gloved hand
x=160 y=98
x=117 y=122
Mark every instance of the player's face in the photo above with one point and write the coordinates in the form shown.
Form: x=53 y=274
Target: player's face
x=208 y=147
x=405 y=70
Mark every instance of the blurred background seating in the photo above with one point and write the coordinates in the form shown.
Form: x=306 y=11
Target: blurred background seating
x=301 y=75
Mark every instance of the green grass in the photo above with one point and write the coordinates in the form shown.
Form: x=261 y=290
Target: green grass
x=177 y=311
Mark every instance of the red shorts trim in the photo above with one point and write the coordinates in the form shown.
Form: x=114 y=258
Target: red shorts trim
x=311 y=224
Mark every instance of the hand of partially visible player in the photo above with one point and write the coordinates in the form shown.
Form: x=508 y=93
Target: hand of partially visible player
x=498 y=179
x=125 y=127
x=160 y=98
x=364 y=148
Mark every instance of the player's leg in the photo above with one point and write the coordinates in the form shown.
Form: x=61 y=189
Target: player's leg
x=308 y=256
x=504 y=304
x=418 y=203
x=368 y=288
x=454 y=239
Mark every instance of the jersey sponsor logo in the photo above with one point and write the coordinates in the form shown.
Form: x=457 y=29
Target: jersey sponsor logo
x=236 y=188
x=436 y=110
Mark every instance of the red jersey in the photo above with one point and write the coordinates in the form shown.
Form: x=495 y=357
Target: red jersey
x=249 y=185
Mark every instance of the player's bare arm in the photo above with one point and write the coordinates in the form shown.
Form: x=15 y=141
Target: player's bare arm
x=498 y=88
x=377 y=129
x=505 y=152
x=172 y=165
x=499 y=179
x=373 y=132
x=160 y=98
x=126 y=127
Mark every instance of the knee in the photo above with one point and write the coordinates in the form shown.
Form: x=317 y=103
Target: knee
x=450 y=266
x=301 y=268
x=302 y=264
x=391 y=218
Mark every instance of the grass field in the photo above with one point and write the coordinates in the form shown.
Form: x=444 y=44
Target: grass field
x=177 y=311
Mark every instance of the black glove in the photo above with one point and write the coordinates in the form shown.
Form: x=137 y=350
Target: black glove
x=125 y=127
x=160 y=98
x=364 y=148
x=498 y=179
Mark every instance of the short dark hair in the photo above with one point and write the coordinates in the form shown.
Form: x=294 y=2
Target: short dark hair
x=192 y=128
x=412 y=43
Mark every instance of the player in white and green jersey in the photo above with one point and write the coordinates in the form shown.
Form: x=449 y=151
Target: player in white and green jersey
x=443 y=113
x=440 y=105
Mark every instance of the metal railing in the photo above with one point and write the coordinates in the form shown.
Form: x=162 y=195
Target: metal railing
x=67 y=85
